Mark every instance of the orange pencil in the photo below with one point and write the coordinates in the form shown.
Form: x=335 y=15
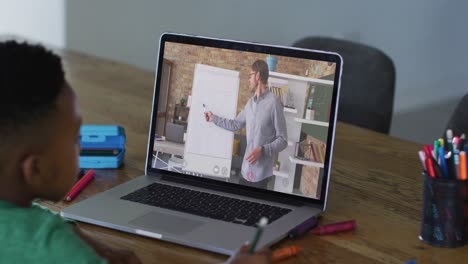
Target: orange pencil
x=462 y=166
x=284 y=253
x=79 y=185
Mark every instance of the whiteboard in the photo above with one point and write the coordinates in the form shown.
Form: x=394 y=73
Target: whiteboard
x=208 y=148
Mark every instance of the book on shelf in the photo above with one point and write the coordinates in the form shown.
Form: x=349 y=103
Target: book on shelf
x=278 y=91
x=314 y=154
x=313 y=149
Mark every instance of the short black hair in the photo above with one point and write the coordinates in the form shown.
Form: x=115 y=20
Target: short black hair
x=262 y=67
x=31 y=78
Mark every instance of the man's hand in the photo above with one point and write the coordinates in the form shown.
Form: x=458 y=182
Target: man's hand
x=262 y=256
x=209 y=117
x=254 y=155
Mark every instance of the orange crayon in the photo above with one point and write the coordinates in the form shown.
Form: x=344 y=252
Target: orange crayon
x=284 y=253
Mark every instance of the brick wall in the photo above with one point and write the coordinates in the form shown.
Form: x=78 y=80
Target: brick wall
x=184 y=57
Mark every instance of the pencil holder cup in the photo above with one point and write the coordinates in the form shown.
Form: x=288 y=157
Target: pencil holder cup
x=445 y=212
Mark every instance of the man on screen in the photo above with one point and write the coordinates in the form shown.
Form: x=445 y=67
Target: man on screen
x=264 y=121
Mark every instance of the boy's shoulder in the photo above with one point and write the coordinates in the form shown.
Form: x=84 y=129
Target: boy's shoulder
x=31 y=220
x=36 y=235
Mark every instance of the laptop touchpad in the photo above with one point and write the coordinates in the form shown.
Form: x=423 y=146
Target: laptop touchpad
x=166 y=223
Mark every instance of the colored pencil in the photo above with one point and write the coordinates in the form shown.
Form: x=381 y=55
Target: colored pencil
x=79 y=186
x=284 y=253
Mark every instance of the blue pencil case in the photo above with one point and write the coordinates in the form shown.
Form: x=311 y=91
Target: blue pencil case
x=102 y=138
x=102 y=162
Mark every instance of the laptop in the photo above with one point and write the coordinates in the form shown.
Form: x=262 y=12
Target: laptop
x=204 y=202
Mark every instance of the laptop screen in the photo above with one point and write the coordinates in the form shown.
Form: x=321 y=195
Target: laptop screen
x=245 y=114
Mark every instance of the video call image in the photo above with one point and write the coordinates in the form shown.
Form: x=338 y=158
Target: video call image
x=245 y=118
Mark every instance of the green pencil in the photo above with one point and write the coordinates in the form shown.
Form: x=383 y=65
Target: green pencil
x=261 y=224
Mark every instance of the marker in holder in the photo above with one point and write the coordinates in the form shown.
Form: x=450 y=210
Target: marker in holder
x=445 y=212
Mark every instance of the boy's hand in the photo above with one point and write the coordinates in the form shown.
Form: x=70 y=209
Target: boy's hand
x=243 y=257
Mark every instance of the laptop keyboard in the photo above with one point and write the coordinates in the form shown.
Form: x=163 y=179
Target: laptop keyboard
x=205 y=204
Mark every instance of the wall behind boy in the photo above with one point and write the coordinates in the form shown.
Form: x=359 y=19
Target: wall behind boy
x=42 y=21
x=424 y=38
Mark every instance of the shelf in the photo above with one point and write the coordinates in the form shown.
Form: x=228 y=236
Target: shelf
x=281 y=174
x=306 y=162
x=300 y=78
x=312 y=122
x=290 y=110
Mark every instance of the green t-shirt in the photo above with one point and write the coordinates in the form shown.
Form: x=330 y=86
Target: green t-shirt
x=36 y=235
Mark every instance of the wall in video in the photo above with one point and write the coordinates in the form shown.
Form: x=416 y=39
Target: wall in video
x=244 y=118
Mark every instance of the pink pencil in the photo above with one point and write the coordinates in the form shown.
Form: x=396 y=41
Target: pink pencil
x=80 y=186
x=334 y=228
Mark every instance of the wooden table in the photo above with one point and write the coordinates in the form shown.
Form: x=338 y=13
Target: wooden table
x=375 y=179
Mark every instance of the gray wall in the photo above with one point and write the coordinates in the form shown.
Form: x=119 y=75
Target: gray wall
x=425 y=38
x=37 y=21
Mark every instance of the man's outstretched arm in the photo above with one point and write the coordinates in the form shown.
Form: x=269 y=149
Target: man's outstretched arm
x=228 y=124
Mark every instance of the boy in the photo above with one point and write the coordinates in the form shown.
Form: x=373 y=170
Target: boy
x=39 y=129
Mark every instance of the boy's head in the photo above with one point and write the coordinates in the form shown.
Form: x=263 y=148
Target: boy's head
x=39 y=124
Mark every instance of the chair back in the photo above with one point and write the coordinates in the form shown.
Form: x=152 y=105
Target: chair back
x=367 y=84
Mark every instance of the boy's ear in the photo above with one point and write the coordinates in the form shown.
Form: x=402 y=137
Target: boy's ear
x=31 y=171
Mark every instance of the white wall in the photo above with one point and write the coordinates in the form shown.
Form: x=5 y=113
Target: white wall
x=42 y=21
